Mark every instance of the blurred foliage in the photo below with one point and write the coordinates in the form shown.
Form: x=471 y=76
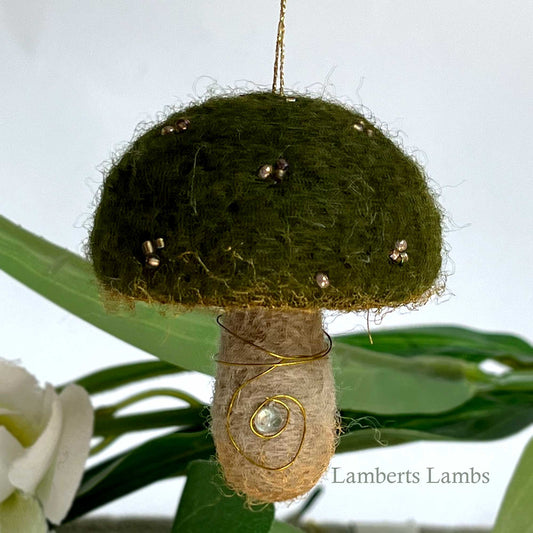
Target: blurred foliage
x=412 y=384
x=516 y=511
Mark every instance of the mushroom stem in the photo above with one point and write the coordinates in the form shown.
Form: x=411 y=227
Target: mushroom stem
x=274 y=419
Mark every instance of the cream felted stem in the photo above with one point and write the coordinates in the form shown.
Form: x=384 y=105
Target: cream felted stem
x=287 y=333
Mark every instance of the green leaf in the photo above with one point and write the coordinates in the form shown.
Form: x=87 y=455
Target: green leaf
x=152 y=461
x=486 y=417
x=436 y=372
x=208 y=505
x=516 y=512
x=364 y=439
x=461 y=343
x=383 y=383
x=117 y=376
x=22 y=513
x=188 y=340
x=489 y=416
x=108 y=426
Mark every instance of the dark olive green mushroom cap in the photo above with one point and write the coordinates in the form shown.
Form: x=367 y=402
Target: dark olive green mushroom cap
x=271 y=201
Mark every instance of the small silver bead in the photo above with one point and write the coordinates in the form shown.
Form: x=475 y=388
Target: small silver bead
x=401 y=246
x=322 y=280
x=159 y=243
x=290 y=99
x=182 y=124
x=370 y=133
x=166 y=130
x=404 y=257
x=359 y=126
x=152 y=261
x=265 y=172
x=147 y=247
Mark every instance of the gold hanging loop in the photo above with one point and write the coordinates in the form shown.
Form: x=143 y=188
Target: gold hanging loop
x=280 y=51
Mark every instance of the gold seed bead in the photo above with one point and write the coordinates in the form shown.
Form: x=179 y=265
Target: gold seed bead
x=281 y=169
x=278 y=174
x=152 y=261
x=265 y=172
x=147 y=247
x=182 y=124
x=394 y=256
x=166 y=130
x=282 y=164
x=322 y=280
x=401 y=246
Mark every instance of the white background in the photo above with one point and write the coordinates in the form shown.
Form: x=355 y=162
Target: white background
x=455 y=78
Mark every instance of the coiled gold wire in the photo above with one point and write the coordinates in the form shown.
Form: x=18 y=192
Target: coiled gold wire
x=282 y=361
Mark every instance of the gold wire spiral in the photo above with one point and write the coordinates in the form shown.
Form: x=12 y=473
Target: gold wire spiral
x=280 y=399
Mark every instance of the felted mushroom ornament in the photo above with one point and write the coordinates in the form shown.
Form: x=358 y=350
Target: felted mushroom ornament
x=273 y=209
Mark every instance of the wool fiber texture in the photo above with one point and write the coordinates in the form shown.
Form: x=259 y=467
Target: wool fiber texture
x=233 y=239
x=311 y=383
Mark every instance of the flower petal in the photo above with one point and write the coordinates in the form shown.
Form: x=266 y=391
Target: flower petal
x=57 y=490
x=19 y=390
x=22 y=513
x=10 y=449
x=28 y=470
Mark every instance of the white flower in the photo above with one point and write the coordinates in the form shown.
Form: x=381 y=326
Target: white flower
x=44 y=440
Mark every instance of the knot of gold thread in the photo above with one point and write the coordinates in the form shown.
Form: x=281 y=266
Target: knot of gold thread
x=282 y=361
x=280 y=51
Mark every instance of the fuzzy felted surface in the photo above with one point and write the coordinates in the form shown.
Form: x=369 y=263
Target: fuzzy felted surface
x=234 y=239
x=310 y=383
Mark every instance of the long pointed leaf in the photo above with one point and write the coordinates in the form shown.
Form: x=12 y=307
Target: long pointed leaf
x=367 y=380
x=188 y=340
x=156 y=459
x=117 y=376
x=383 y=383
x=110 y=426
x=462 y=343
x=516 y=512
x=489 y=416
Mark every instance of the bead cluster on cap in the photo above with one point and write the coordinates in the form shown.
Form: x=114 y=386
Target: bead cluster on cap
x=399 y=256
x=363 y=126
x=151 y=259
x=276 y=172
x=181 y=125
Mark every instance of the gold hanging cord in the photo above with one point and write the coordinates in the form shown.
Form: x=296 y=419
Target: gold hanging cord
x=280 y=51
